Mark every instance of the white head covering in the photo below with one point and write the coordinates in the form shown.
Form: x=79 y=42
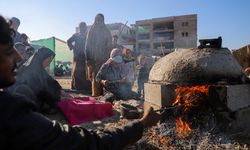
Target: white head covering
x=117 y=59
x=116 y=55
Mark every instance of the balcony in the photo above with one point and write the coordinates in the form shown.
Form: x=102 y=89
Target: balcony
x=163 y=37
x=143 y=37
x=163 y=27
x=143 y=28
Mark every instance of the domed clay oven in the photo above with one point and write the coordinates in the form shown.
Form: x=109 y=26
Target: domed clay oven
x=197 y=66
x=208 y=65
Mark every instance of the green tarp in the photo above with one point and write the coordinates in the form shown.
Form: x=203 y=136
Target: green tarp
x=63 y=55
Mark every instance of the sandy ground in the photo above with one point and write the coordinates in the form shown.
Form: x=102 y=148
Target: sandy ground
x=65 y=82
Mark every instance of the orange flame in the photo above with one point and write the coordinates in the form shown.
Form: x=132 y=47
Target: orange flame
x=187 y=97
x=182 y=128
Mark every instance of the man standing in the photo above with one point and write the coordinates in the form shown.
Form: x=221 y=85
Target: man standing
x=77 y=43
x=98 y=47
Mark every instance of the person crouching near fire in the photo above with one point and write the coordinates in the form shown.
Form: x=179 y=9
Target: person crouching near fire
x=114 y=76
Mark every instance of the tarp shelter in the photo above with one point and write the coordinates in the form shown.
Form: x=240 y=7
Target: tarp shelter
x=242 y=55
x=63 y=55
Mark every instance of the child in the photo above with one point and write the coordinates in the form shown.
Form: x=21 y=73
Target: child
x=130 y=65
x=143 y=73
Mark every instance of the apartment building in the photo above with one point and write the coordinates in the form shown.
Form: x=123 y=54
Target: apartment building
x=160 y=36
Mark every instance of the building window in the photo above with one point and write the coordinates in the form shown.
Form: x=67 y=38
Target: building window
x=144 y=46
x=143 y=28
x=184 y=34
x=143 y=36
x=184 y=24
x=163 y=26
x=163 y=36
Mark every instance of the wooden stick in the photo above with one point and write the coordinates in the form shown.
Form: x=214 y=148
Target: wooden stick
x=162 y=110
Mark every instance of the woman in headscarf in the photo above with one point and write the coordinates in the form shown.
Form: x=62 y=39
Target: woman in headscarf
x=33 y=81
x=77 y=43
x=98 y=47
x=113 y=75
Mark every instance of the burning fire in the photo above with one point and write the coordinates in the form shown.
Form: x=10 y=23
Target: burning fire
x=187 y=97
x=182 y=127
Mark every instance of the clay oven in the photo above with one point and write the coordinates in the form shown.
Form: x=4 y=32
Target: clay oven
x=208 y=65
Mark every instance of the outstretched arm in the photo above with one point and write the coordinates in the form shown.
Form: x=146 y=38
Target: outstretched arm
x=26 y=129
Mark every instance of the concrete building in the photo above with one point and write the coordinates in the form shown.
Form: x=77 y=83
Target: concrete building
x=160 y=36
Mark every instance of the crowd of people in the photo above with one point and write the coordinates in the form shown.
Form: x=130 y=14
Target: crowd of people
x=101 y=67
x=27 y=86
x=110 y=67
x=62 y=69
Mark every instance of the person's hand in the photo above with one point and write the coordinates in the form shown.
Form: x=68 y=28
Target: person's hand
x=150 y=118
x=105 y=82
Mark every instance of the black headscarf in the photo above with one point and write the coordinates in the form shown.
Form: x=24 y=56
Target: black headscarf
x=32 y=78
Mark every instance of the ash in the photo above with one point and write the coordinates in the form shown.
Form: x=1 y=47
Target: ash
x=204 y=135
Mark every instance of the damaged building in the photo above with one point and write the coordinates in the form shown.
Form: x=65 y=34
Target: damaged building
x=125 y=33
x=160 y=36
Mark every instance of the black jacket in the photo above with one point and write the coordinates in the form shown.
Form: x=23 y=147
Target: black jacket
x=22 y=127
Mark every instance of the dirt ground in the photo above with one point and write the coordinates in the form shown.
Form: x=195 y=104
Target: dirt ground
x=164 y=135
x=65 y=82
